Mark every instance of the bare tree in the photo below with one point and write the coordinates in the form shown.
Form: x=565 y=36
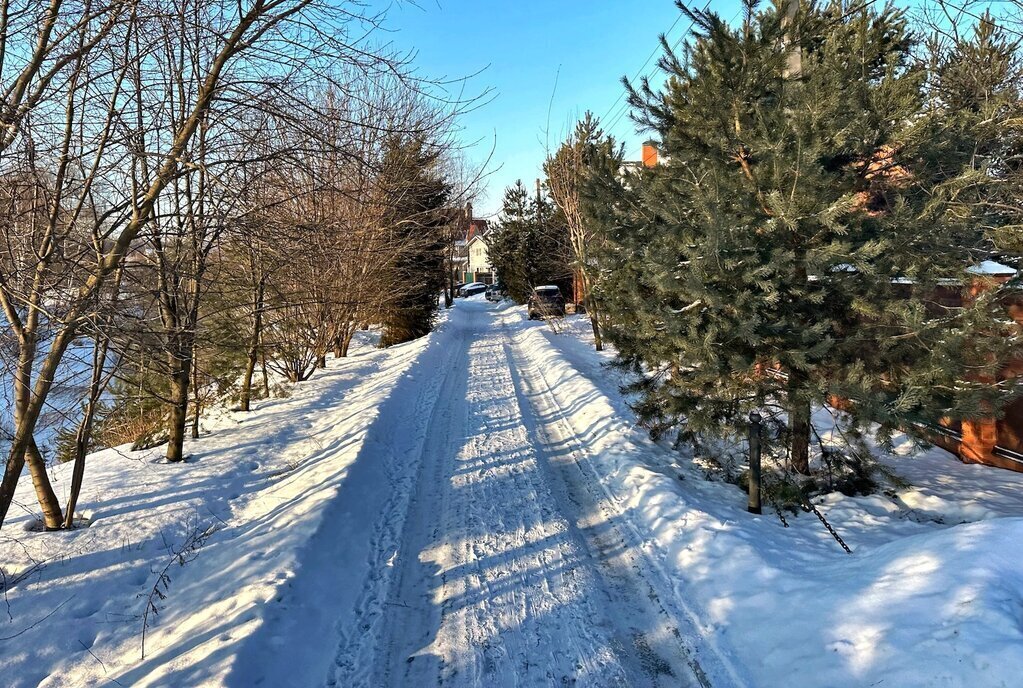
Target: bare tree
x=275 y=33
x=566 y=170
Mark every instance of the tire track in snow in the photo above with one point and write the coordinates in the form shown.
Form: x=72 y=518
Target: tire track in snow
x=649 y=635
x=406 y=625
x=550 y=623
x=495 y=581
x=404 y=451
x=585 y=487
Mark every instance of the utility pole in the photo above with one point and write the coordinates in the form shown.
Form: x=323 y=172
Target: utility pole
x=539 y=217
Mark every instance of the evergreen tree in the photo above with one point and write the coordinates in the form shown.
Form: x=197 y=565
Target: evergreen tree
x=530 y=247
x=505 y=241
x=794 y=242
x=416 y=193
x=975 y=106
x=587 y=151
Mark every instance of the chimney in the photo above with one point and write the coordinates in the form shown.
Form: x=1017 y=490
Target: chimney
x=650 y=153
x=468 y=210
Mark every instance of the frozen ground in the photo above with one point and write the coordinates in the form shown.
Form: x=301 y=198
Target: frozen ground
x=476 y=508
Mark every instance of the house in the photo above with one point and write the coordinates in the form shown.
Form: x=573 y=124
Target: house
x=478 y=267
x=471 y=259
x=989 y=441
x=467 y=263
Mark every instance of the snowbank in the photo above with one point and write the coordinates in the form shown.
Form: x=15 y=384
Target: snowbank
x=281 y=515
x=932 y=595
x=288 y=519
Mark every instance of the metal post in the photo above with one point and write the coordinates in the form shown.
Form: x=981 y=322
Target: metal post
x=754 y=463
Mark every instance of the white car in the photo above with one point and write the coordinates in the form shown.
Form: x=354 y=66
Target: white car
x=472 y=288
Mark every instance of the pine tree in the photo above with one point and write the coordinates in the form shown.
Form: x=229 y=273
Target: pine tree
x=530 y=245
x=975 y=105
x=505 y=241
x=587 y=151
x=416 y=193
x=792 y=246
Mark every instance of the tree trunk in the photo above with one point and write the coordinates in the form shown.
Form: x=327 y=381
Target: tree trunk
x=52 y=515
x=266 y=378
x=598 y=341
x=12 y=471
x=179 y=409
x=346 y=342
x=253 y=352
x=250 y=370
x=195 y=397
x=30 y=453
x=96 y=386
x=799 y=424
x=81 y=449
x=25 y=423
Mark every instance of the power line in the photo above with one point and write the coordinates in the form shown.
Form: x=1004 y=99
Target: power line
x=1000 y=27
x=650 y=57
x=625 y=108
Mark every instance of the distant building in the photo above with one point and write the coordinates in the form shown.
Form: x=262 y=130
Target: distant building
x=650 y=157
x=469 y=257
x=478 y=267
x=477 y=226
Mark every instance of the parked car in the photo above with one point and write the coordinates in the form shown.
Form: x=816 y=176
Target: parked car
x=496 y=292
x=472 y=288
x=545 y=302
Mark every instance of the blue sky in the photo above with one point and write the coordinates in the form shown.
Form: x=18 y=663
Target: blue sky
x=521 y=46
x=546 y=63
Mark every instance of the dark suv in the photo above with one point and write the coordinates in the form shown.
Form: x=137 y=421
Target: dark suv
x=496 y=292
x=545 y=302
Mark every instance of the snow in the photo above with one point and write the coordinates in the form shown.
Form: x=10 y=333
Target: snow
x=478 y=508
x=992 y=268
x=932 y=595
x=271 y=481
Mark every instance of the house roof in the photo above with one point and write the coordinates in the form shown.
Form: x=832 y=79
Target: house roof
x=477 y=226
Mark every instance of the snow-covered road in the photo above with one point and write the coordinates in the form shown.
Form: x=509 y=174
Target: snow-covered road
x=479 y=508
x=512 y=566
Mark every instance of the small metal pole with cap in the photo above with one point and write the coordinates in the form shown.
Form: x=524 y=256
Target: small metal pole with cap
x=754 y=463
